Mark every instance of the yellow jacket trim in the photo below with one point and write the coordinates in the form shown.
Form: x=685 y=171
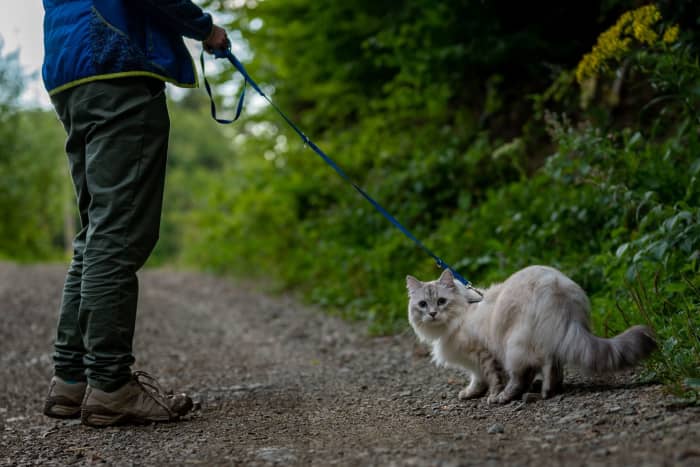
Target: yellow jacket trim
x=124 y=74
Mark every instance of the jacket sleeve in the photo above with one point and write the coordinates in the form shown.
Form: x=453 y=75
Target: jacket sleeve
x=180 y=16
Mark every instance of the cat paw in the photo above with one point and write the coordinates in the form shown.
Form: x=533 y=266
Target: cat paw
x=500 y=398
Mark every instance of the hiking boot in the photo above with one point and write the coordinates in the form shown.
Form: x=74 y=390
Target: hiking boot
x=139 y=401
x=64 y=398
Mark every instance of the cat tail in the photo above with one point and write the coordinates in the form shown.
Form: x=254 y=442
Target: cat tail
x=596 y=354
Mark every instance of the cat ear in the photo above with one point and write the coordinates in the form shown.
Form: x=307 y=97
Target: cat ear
x=412 y=284
x=447 y=279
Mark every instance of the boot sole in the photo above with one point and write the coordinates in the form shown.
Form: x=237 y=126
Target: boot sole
x=100 y=418
x=56 y=410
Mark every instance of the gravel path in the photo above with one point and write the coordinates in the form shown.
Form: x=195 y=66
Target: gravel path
x=277 y=383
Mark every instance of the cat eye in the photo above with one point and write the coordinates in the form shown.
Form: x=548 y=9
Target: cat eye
x=422 y=304
x=441 y=301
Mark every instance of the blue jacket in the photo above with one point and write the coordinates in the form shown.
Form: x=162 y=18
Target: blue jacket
x=87 y=40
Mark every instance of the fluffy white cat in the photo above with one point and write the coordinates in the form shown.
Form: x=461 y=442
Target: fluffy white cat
x=534 y=322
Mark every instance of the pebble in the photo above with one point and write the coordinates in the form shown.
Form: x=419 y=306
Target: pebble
x=496 y=428
x=519 y=407
x=570 y=418
x=602 y=452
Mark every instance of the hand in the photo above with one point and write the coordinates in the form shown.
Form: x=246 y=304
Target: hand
x=217 y=40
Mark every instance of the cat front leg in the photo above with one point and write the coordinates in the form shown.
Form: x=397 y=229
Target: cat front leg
x=476 y=388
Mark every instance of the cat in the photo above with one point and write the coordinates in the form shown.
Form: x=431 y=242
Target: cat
x=534 y=322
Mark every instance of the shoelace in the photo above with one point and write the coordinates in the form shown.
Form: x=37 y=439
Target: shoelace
x=151 y=387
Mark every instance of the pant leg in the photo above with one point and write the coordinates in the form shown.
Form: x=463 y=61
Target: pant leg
x=125 y=126
x=69 y=350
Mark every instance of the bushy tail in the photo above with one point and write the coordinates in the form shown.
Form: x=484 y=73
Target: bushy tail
x=596 y=354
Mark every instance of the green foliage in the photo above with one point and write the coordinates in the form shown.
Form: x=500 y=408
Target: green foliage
x=646 y=236
x=32 y=167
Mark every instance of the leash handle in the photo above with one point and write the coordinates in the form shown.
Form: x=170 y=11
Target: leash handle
x=239 y=107
x=227 y=54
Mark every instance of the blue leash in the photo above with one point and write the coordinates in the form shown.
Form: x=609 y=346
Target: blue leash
x=226 y=53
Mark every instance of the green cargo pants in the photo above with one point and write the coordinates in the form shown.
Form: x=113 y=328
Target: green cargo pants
x=117 y=142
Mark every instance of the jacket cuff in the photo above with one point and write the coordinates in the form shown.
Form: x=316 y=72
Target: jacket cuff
x=207 y=27
x=211 y=33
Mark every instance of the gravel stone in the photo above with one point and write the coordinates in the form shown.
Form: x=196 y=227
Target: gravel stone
x=496 y=428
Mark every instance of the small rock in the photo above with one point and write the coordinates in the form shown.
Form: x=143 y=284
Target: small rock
x=584 y=426
x=602 y=452
x=570 y=418
x=614 y=409
x=496 y=428
x=629 y=420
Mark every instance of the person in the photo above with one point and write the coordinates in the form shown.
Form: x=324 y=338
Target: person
x=105 y=67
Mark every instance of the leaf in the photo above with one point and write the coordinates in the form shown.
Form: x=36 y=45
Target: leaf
x=695 y=167
x=636 y=137
x=671 y=222
x=675 y=287
x=657 y=250
x=622 y=249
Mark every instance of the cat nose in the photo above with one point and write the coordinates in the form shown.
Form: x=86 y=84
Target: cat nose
x=432 y=314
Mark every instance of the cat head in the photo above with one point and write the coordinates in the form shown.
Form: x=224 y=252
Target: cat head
x=433 y=305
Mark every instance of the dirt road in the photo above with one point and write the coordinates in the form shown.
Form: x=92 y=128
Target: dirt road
x=277 y=383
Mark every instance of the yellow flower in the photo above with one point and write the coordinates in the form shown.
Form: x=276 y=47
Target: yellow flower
x=671 y=34
x=642 y=20
x=635 y=25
